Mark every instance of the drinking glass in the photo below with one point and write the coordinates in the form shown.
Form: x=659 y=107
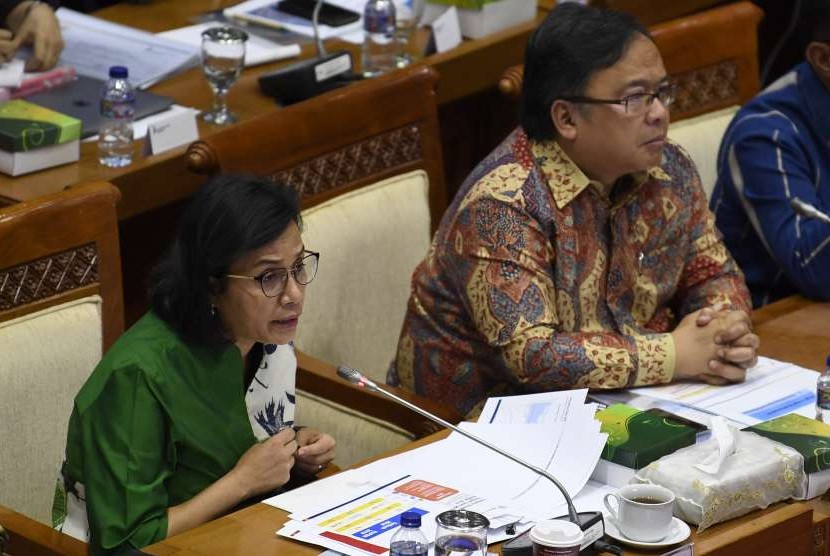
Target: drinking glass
x=461 y=533
x=223 y=56
x=408 y=14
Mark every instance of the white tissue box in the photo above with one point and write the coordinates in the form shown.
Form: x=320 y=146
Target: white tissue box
x=758 y=473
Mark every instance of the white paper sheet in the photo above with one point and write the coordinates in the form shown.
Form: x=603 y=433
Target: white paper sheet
x=545 y=407
x=257 y=49
x=11 y=73
x=772 y=388
x=92 y=45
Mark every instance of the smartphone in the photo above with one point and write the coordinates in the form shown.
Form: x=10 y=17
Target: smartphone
x=331 y=15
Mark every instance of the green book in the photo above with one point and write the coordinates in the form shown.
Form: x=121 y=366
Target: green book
x=809 y=437
x=637 y=438
x=25 y=126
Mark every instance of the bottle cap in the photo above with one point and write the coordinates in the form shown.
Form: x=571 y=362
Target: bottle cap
x=411 y=519
x=119 y=72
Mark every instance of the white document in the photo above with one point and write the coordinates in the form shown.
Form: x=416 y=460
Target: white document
x=545 y=407
x=257 y=50
x=264 y=12
x=772 y=388
x=92 y=45
x=11 y=73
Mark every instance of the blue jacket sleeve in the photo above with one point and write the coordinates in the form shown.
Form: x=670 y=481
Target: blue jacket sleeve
x=768 y=170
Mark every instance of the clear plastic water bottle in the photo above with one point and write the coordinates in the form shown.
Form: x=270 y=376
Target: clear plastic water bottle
x=115 y=137
x=823 y=394
x=379 y=45
x=409 y=540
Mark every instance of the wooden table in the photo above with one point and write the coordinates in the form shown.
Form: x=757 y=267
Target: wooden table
x=153 y=182
x=793 y=329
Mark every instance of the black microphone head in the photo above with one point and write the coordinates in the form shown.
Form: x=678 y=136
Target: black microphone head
x=348 y=374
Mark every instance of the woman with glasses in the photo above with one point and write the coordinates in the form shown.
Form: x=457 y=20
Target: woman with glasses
x=191 y=412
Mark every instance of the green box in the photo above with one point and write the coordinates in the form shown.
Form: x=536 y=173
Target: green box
x=809 y=437
x=637 y=438
x=25 y=126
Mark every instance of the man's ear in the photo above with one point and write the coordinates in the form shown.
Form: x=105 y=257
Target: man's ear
x=564 y=119
x=818 y=56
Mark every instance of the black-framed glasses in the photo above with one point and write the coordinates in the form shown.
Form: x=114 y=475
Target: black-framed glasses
x=636 y=104
x=274 y=280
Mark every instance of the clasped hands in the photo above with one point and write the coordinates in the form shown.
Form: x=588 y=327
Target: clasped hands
x=267 y=465
x=715 y=345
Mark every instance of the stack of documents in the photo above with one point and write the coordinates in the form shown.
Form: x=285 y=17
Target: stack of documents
x=92 y=45
x=771 y=389
x=257 y=50
x=357 y=512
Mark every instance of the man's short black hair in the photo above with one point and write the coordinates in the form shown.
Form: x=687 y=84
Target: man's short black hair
x=813 y=23
x=227 y=218
x=565 y=50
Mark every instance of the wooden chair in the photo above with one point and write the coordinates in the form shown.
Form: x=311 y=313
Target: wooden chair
x=351 y=155
x=60 y=308
x=27 y=537
x=712 y=55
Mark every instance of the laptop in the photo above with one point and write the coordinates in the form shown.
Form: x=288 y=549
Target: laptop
x=81 y=99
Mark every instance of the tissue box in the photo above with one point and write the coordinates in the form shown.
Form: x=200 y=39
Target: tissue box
x=635 y=439
x=758 y=473
x=810 y=438
x=478 y=18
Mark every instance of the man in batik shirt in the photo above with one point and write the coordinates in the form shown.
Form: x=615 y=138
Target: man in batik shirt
x=581 y=252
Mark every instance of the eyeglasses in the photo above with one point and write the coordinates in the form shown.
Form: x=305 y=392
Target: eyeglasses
x=274 y=280
x=636 y=104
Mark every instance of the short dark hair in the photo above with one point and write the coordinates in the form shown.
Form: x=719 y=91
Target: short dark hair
x=563 y=52
x=228 y=217
x=813 y=23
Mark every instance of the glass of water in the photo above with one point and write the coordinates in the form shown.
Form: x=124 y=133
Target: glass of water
x=408 y=14
x=461 y=533
x=223 y=56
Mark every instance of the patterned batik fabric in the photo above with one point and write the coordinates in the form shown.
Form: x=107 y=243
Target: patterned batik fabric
x=537 y=280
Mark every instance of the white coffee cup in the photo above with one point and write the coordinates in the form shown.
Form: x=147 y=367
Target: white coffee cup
x=643 y=512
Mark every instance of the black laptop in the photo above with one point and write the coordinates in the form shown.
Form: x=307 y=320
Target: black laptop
x=81 y=99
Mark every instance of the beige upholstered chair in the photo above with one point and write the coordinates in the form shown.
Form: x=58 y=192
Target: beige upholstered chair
x=366 y=161
x=701 y=137
x=60 y=308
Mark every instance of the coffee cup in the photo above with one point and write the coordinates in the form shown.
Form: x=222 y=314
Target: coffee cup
x=643 y=512
x=556 y=537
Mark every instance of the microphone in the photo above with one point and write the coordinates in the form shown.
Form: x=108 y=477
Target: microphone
x=587 y=521
x=307 y=78
x=808 y=211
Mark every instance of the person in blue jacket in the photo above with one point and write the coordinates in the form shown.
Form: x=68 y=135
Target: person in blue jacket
x=776 y=149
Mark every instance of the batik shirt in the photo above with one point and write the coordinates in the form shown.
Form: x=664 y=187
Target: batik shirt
x=536 y=280
x=158 y=421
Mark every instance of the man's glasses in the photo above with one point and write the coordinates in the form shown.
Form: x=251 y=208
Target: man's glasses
x=636 y=104
x=274 y=280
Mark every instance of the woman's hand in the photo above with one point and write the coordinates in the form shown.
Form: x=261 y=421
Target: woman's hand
x=35 y=24
x=316 y=450
x=266 y=465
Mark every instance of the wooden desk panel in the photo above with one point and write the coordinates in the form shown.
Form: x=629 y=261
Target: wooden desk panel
x=788 y=330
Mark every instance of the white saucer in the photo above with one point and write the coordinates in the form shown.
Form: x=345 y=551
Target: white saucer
x=679 y=533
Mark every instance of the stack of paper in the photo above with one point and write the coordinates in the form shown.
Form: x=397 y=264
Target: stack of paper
x=257 y=50
x=358 y=511
x=92 y=45
x=771 y=389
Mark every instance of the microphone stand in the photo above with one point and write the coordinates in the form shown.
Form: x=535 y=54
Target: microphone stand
x=355 y=377
x=321 y=50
